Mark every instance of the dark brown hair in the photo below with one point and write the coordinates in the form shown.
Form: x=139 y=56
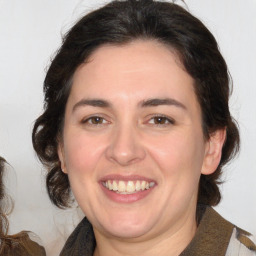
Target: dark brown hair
x=120 y=22
x=17 y=244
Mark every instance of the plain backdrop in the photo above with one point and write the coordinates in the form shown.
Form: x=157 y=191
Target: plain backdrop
x=30 y=33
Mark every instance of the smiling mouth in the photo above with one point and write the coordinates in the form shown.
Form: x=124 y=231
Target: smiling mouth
x=127 y=187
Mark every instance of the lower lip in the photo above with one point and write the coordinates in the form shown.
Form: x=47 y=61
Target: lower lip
x=129 y=198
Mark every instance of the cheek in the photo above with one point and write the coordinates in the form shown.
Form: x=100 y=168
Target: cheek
x=180 y=160
x=82 y=153
x=179 y=154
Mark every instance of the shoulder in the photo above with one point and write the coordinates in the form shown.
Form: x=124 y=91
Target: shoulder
x=22 y=244
x=241 y=243
x=218 y=237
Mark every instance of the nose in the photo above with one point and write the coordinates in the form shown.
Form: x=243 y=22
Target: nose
x=125 y=147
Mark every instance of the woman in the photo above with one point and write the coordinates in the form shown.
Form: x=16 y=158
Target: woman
x=137 y=125
x=18 y=244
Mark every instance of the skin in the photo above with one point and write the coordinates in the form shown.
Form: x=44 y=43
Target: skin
x=129 y=139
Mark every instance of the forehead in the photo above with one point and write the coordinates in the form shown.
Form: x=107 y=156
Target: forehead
x=136 y=70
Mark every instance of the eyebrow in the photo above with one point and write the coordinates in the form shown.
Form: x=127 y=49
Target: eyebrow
x=146 y=103
x=91 y=102
x=165 y=101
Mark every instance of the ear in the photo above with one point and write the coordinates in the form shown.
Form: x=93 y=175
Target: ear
x=61 y=155
x=213 y=151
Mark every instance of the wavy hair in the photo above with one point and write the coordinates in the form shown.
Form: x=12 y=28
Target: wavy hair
x=18 y=244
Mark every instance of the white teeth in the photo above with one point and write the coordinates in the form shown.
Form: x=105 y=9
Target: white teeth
x=143 y=185
x=121 y=186
x=110 y=187
x=128 y=187
x=151 y=184
x=115 y=187
x=137 y=185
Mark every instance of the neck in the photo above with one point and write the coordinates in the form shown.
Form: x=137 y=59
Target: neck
x=171 y=242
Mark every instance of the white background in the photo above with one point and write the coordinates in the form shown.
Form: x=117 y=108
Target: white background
x=30 y=33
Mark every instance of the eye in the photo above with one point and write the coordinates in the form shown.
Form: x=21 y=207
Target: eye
x=94 y=120
x=161 y=120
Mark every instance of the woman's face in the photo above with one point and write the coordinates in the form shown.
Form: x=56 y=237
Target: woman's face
x=133 y=146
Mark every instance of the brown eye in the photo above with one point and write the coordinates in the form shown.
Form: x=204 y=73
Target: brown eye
x=94 y=120
x=160 y=120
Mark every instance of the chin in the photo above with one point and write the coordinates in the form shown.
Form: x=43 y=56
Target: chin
x=127 y=228
x=126 y=232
